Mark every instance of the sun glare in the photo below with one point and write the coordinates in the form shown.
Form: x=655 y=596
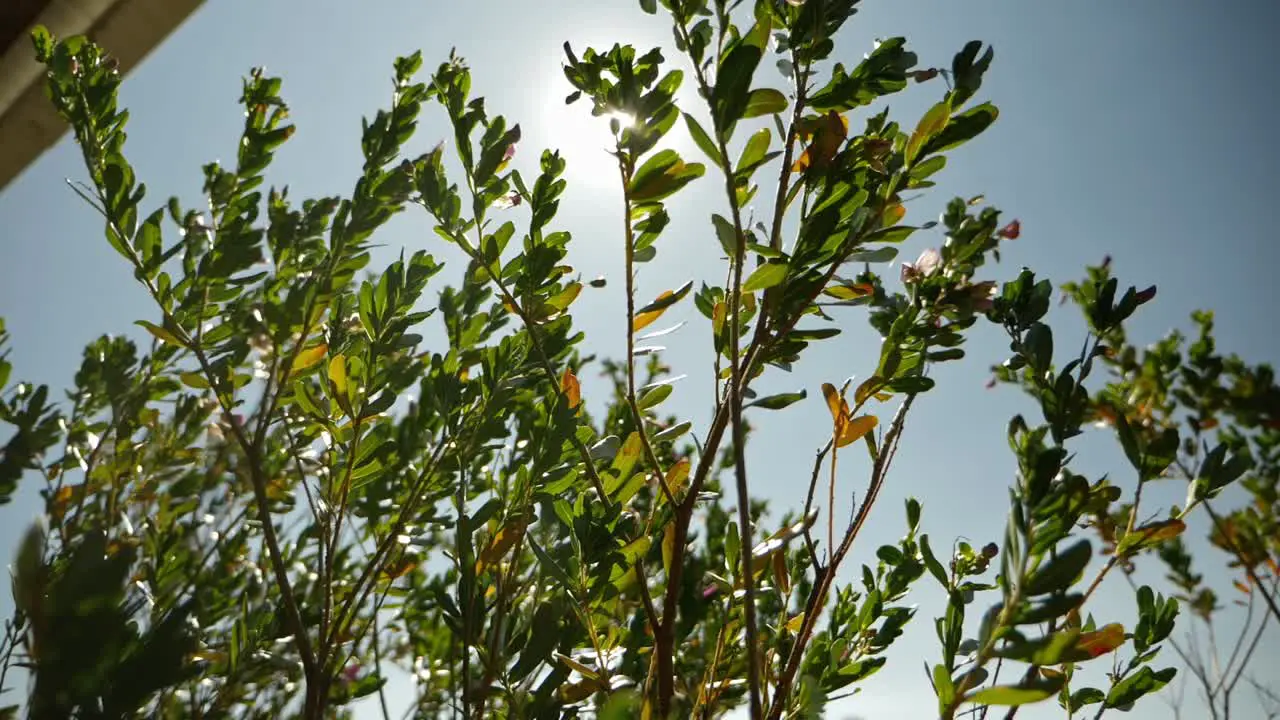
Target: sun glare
x=586 y=142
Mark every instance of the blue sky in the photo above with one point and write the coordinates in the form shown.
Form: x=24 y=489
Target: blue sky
x=1142 y=129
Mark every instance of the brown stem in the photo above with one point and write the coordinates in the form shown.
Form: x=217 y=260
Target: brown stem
x=651 y=457
x=1248 y=568
x=826 y=576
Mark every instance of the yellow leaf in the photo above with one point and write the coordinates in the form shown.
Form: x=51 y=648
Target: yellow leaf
x=575 y=665
x=338 y=373
x=308 y=358
x=571 y=388
x=933 y=122
x=1101 y=641
x=565 y=298
x=855 y=429
x=794 y=624
x=161 y=334
x=836 y=404
x=718 y=317
x=629 y=453
x=781 y=577
x=668 y=547
x=677 y=475
x=850 y=292
x=194 y=380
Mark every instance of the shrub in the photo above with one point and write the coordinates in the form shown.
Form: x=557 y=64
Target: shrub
x=288 y=492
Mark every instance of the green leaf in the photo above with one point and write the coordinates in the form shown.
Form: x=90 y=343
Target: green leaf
x=546 y=562
x=1059 y=572
x=879 y=255
x=779 y=401
x=1085 y=696
x=1022 y=694
x=662 y=175
x=942 y=685
x=1128 y=440
x=764 y=101
x=928 y=167
x=672 y=432
x=726 y=234
x=895 y=234
x=967 y=70
x=766 y=276
x=1038 y=343
x=931 y=562
x=731 y=94
x=962 y=128
x=1144 y=681
x=703 y=140
x=654 y=396
x=753 y=153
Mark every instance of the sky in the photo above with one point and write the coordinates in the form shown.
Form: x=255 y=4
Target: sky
x=1142 y=129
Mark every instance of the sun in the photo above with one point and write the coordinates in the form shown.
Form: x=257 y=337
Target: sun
x=586 y=143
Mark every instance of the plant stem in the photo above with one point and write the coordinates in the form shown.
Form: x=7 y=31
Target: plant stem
x=826 y=576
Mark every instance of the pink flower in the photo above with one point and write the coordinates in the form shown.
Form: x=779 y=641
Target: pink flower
x=983 y=294
x=1010 y=231
x=924 y=266
x=509 y=153
x=507 y=201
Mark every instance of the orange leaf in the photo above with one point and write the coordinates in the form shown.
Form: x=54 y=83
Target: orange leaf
x=401 y=568
x=643 y=320
x=1101 y=641
x=63 y=499
x=501 y=544
x=893 y=215
x=308 y=358
x=1158 y=532
x=829 y=132
x=571 y=388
